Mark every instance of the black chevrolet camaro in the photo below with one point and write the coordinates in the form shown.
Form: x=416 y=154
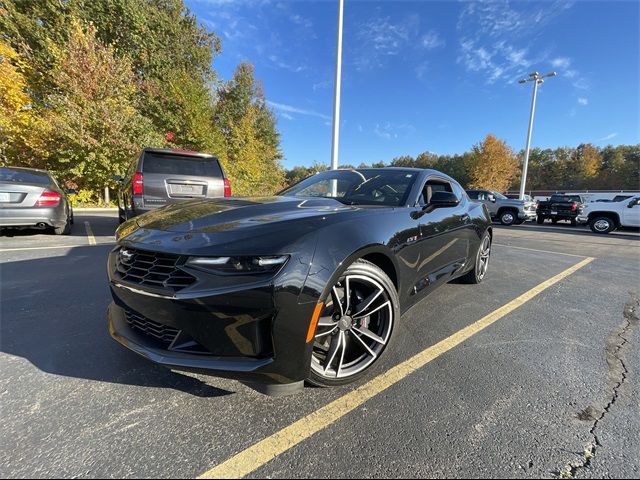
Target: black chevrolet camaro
x=304 y=285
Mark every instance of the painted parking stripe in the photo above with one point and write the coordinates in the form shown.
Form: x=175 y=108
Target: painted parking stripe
x=268 y=449
x=90 y=237
x=539 y=251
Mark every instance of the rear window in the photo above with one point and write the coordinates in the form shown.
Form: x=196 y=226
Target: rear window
x=181 y=165
x=24 y=176
x=566 y=198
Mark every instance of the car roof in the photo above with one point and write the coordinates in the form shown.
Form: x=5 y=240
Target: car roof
x=185 y=153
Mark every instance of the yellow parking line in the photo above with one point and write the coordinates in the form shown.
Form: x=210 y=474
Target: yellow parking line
x=90 y=237
x=540 y=251
x=266 y=450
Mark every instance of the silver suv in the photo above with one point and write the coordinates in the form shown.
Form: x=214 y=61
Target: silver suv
x=159 y=177
x=507 y=210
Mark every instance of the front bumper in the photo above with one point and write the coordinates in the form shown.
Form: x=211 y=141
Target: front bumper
x=527 y=214
x=582 y=219
x=255 y=334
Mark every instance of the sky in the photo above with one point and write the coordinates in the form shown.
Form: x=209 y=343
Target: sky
x=435 y=76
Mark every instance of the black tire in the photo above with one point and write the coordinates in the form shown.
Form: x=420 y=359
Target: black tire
x=573 y=222
x=327 y=333
x=602 y=224
x=72 y=220
x=539 y=220
x=122 y=215
x=64 y=230
x=508 y=217
x=554 y=221
x=479 y=272
x=520 y=221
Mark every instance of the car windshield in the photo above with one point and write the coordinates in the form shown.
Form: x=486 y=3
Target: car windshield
x=499 y=196
x=357 y=187
x=24 y=176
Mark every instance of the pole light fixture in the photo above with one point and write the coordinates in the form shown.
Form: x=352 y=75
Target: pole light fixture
x=537 y=79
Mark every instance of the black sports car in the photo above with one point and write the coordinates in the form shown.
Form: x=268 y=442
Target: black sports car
x=304 y=285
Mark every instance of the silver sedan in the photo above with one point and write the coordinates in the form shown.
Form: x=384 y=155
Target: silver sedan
x=31 y=198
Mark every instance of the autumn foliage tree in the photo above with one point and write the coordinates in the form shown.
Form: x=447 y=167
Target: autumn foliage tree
x=95 y=125
x=250 y=142
x=493 y=165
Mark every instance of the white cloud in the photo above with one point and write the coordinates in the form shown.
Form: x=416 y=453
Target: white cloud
x=322 y=85
x=421 y=69
x=278 y=62
x=289 y=109
x=432 y=40
x=390 y=131
x=608 y=137
x=286 y=116
x=382 y=37
x=561 y=62
x=496 y=36
x=583 y=101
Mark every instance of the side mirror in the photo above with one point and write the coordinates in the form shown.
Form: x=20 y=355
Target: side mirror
x=632 y=203
x=443 y=199
x=70 y=191
x=118 y=178
x=492 y=198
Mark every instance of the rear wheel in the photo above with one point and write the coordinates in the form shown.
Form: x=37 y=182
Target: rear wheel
x=482 y=262
x=602 y=225
x=122 y=216
x=573 y=222
x=540 y=220
x=64 y=230
x=355 y=325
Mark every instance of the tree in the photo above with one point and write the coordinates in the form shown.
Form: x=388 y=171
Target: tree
x=95 y=126
x=18 y=122
x=493 y=166
x=250 y=141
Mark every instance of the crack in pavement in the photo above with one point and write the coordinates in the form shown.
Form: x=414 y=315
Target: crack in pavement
x=618 y=339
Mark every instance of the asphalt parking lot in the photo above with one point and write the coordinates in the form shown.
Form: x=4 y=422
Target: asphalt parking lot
x=550 y=388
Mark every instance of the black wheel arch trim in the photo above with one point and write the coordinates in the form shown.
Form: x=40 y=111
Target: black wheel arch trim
x=612 y=215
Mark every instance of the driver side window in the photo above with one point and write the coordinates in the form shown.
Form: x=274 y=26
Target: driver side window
x=432 y=186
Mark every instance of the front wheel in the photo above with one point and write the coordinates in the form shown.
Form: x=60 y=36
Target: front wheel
x=355 y=325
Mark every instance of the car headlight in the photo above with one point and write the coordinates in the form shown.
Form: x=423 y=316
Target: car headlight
x=239 y=265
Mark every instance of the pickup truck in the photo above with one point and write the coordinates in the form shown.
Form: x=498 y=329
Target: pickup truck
x=507 y=210
x=560 y=207
x=605 y=217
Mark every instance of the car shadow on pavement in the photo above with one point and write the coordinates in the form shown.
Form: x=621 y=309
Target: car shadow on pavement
x=53 y=314
x=100 y=225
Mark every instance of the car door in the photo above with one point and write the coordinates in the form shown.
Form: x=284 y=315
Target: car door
x=631 y=213
x=443 y=240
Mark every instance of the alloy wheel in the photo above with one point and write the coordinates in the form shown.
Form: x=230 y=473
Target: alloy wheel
x=484 y=254
x=601 y=225
x=354 y=327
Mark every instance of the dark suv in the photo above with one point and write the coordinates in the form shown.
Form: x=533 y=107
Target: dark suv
x=159 y=177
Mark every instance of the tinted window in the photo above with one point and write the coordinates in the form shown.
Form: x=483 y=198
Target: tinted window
x=357 y=187
x=473 y=194
x=457 y=189
x=566 y=198
x=24 y=176
x=181 y=165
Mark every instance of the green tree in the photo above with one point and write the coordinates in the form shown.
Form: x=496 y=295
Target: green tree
x=95 y=126
x=250 y=141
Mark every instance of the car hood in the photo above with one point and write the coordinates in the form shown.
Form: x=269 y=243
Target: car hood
x=240 y=214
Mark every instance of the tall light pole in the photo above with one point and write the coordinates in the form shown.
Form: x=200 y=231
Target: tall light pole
x=537 y=79
x=336 y=92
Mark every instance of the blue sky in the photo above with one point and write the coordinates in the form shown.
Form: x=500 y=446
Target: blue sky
x=435 y=75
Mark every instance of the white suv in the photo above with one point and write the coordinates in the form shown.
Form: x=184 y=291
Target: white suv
x=604 y=217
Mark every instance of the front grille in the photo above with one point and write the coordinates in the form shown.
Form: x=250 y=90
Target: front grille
x=165 y=335
x=152 y=269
